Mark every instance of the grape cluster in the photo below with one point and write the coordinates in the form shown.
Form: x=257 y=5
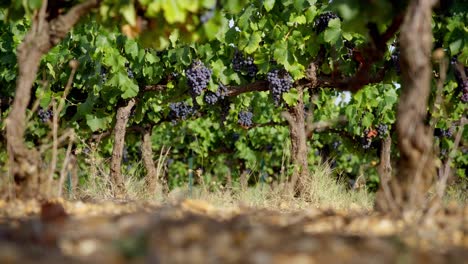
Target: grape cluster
x=180 y=110
x=245 y=119
x=125 y=157
x=212 y=98
x=207 y=15
x=321 y=22
x=447 y=133
x=45 y=115
x=349 y=49
x=464 y=95
x=336 y=144
x=279 y=82
x=395 y=58
x=103 y=75
x=366 y=141
x=382 y=130
x=130 y=73
x=198 y=77
x=244 y=65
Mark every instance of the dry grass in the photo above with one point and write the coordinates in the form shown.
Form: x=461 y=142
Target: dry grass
x=322 y=190
x=457 y=192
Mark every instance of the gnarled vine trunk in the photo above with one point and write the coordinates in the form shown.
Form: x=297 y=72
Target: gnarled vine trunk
x=43 y=35
x=416 y=168
x=385 y=174
x=120 y=129
x=299 y=151
x=151 y=178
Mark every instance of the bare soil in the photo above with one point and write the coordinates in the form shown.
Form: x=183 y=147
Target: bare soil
x=193 y=231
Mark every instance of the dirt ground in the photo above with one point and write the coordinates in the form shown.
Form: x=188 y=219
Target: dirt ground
x=193 y=231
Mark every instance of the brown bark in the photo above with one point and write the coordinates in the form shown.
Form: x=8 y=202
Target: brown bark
x=152 y=180
x=299 y=152
x=42 y=36
x=384 y=200
x=416 y=168
x=121 y=121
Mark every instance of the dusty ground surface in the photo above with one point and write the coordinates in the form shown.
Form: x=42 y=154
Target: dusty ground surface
x=195 y=232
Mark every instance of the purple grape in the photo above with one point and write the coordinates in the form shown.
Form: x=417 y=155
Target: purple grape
x=464 y=98
x=45 y=115
x=321 y=22
x=180 y=110
x=245 y=119
x=279 y=82
x=198 y=77
x=382 y=130
x=213 y=97
x=366 y=142
x=244 y=65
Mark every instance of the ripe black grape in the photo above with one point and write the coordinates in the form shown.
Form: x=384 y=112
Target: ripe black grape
x=464 y=89
x=336 y=144
x=180 y=110
x=212 y=98
x=125 y=155
x=244 y=65
x=447 y=133
x=366 y=141
x=45 y=115
x=321 y=23
x=464 y=97
x=245 y=119
x=207 y=15
x=439 y=132
x=279 y=82
x=395 y=58
x=382 y=130
x=103 y=75
x=130 y=73
x=349 y=48
x=198 y=77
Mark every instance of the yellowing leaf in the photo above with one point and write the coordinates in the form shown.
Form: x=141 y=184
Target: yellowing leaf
x=172 y=12
x=129 y=14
